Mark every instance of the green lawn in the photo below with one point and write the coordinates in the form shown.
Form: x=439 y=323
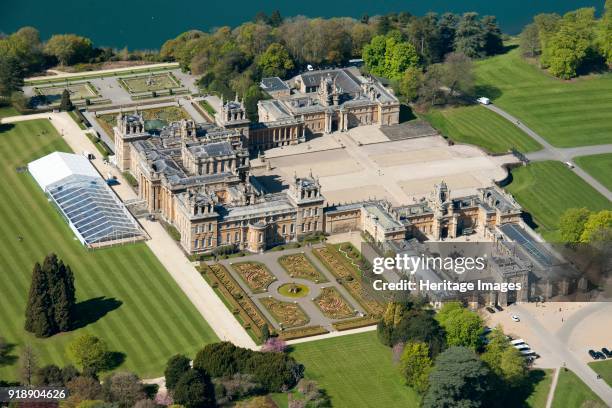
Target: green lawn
x=603 y=368
x=6 y=111
x=356 y=371
x=566 y=113
x=598 y=166
x=571 y=392
x=546 y=189
x=479 y=126
x=539 y=395
x=147 y=315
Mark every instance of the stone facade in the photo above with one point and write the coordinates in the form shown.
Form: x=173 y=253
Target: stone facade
x=328 y=100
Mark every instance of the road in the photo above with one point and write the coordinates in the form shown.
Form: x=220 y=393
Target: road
x=549 y=152
x=559 y=350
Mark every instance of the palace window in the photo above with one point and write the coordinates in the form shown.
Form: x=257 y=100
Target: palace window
x=292 y=228
x=227 y=237
x=209 y=241
x=284 y=229
x=195 y=243
x=236 y=237
x=210 y=227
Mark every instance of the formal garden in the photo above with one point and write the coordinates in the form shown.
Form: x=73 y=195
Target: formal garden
x=298 y=266
x=255 y=274
x=149 y=82
x=287 y=314
x=296 y=293
x=77 y=91
x=155 y=118
x=333 y=305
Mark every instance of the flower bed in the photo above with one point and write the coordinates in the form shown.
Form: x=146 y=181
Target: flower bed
x=256 y=276
x=347 y=276
x=299 y=266
x=333 y=305
x=238 y=299
x=287 y=314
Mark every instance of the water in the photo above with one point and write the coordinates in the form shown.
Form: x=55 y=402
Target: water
x=147 y=24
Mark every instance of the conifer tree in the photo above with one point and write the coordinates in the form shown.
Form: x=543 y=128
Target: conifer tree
x=39 y=318
x=62 y=291
x=65 y=102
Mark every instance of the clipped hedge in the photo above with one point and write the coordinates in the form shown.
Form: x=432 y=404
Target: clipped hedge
x=355 y=323
x=293 y=334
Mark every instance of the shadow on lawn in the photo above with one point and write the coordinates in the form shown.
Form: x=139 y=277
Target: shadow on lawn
x=6 y=359
x=5 y=127
x=518 y=395
x=92 y=310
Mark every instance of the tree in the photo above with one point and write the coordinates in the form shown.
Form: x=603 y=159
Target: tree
x=123 y=388
x=459 y=73
x=274 y=345
x=218 y=359
x=411 y=82
x=175 y=368
x=416 y=365
x=504 y=360
x=529 y=41
x=195 y=390
x=84 y=388
x=276 y=61
x=5 y=349
x=425 y=36
x=28 y=364
x=51 y=301
x=569 y=46
x=571 y=224
x=275 y=19
x=470 y=36
x=89 y=352
x=11 y=76
x=463 y=328
x=65 y=103
x=458 y=379
x=49 y=376
x=598 y=227
x=433 y=81
x=447 y=28
x=69 y=48
x=492 y=36
x=388 y=56
x=39 y=310
x=604 y=33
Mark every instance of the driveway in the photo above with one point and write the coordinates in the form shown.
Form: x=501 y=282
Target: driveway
x=549 y=152
x=556 y=345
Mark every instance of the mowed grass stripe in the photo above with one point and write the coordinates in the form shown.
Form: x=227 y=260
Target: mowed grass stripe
x=598 y=166
x=546 y=189
x=155 y=320
x=566 y=113
x=479 y=126
x=356 y=371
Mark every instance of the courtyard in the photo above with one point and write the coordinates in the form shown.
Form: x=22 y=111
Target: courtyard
x=363 y=163
x=311 y=289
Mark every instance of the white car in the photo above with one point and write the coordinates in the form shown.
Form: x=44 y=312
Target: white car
x=483 y=100
x=515 y=318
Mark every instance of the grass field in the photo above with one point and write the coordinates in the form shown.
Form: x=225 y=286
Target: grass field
x=124 y=293
x=571 y=392
x=598 y=166
x=356 y=371
x=479 y=126
x=6 y=111
x=539 y=395
x=566 y=113
x=158 y=82
x=603 y=368
x=546 y=189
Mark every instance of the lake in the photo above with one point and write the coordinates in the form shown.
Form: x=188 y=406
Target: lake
x=141 y=24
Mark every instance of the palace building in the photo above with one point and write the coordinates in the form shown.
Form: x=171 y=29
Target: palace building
x=197 y=177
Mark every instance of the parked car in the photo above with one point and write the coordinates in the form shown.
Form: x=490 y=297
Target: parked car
x=490 y=309
x=499 y=308
x=607 y=352
x=600 y=355
x=483 y=100
x=515 y=318
x=593 y=355
x=569 y=164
